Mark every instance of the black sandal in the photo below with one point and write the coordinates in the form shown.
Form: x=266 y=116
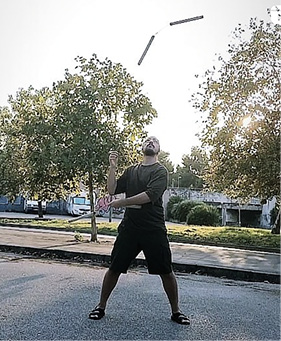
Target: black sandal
x=96 y=314
x=180 y=318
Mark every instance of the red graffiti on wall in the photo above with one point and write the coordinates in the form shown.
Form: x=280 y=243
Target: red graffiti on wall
x=103 y=203
x=102 y=206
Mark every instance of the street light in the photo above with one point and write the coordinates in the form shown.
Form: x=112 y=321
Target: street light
x=179 y=177
x=170 y=182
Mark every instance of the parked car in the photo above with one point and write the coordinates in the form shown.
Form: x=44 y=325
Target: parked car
x=32 y=206
x=78 y=204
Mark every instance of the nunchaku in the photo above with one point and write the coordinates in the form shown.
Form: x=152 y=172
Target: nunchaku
x=173 y=23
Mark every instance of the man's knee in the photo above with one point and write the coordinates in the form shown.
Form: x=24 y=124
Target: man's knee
x=167 y=277
x=112 y=273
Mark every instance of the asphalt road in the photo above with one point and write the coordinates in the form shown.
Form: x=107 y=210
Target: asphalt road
x=50 y=300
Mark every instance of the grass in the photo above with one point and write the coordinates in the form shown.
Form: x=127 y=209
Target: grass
x=232 y=236
x=241 y=237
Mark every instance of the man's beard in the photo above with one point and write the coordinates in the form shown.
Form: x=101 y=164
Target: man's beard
x=149 y=152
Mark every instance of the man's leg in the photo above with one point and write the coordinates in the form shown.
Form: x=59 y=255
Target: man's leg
x=109 y=282
x=171 y=288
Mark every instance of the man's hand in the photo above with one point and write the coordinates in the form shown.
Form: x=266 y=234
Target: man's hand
x=117 y=203
x=113 y=158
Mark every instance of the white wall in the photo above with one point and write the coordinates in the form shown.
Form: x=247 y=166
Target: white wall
x=221 y=200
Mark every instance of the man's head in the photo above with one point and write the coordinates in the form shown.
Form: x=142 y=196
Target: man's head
x=151 y=146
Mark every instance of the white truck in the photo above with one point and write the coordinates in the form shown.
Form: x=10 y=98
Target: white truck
x=78 y=204
x=32 y=206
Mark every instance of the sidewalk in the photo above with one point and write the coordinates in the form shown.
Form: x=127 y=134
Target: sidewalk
x=214 y=261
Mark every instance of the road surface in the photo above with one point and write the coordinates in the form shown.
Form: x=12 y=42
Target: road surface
x=50 y=300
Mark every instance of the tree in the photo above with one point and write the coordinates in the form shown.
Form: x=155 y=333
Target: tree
x=9 y=183
x=192 y=169
x=240 y=104
x=55 y=138
x=99 y=108
x=164 y=158
x=29 y=151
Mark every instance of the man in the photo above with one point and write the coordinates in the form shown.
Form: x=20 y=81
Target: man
x=143 y=226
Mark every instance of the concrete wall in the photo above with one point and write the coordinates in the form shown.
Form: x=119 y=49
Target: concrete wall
x=233 y=212
x=6 y=205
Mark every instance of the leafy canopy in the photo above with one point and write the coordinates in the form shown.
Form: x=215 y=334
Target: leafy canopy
x=240 y=106
x=53 y=138
x=98 y=109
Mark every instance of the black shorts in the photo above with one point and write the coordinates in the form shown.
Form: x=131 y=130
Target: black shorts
x=154 y=244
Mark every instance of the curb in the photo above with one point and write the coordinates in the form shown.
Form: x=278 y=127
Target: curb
x=104 y=260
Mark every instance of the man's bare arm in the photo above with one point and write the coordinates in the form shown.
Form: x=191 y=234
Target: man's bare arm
x=136 y=200
x=111 y=179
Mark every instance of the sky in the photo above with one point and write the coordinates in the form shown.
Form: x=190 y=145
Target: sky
x=40 y=38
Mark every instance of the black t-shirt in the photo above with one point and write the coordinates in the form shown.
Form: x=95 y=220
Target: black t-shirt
x=151 y=179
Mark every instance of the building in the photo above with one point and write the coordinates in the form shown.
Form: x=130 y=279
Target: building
x=233 y=211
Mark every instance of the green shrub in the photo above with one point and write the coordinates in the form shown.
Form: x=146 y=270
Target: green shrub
x=170 y=205
x=182 y=209
x=203 y=215
x=174 y=210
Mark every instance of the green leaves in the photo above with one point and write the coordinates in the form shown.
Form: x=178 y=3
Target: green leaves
x=164 y=158
x=245 y=159
x=55 y=137
x=191 y=171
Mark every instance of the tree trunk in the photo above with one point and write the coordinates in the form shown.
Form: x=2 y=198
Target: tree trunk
x=94 y=227
x=40 y=209
x=276 y=225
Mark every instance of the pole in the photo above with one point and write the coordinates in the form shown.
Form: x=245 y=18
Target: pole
x=179 y=177
x=239 y=215
x=110 y=214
